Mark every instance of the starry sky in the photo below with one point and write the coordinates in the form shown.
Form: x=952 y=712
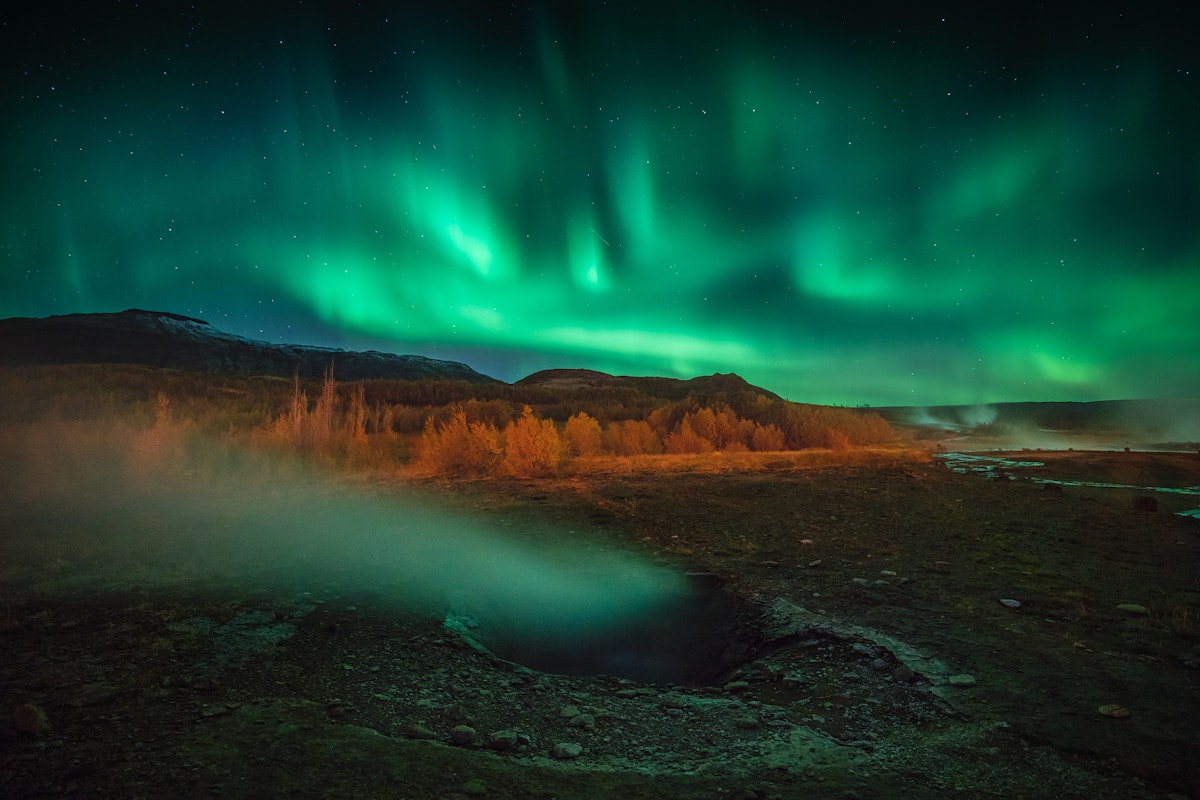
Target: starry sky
x=849 y=203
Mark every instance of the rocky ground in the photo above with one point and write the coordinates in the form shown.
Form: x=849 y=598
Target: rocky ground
x=873 y=631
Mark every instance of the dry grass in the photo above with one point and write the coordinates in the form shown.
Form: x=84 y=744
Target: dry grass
x=721 y=462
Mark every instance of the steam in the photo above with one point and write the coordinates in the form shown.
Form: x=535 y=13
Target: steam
x=953 y=418
x=86 y=514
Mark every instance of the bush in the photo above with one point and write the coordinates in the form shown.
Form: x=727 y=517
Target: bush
x=685 y=439
x=631 y=438
x=581 y=436
x=531 y=446
x=766 y=438
x=456 y=447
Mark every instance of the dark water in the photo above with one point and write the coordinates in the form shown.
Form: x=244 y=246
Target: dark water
x=991 y=466
x=694 y=640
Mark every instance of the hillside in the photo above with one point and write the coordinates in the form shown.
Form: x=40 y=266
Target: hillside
x=162 y=339
x=727 y=384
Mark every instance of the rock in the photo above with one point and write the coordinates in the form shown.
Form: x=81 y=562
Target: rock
x=462 y=735
x=1114 y=710
x=455 y=714
x=962 y=680
x=879 y=664
x=1133 y=608
x=737 y=686
x=887 y=573
x=565 y=751
x=1010 y=602
x=671 y=701
x=504 y=740
x=585 y=721
x=30 y=718
x=748 y=721
x=903 y=674
x=570 y=711
x=476 y=787
x=418 y=731
x=860 y=581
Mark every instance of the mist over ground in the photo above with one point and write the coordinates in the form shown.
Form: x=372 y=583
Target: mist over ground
x=93 y=505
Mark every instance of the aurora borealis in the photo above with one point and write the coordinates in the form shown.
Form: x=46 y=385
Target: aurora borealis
x=876 y=203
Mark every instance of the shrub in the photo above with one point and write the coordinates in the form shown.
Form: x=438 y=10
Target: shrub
x=766 y=438
x=456 y=447
x=581 y=436
x=531 y=446
x=631 y=438
x=685 y=439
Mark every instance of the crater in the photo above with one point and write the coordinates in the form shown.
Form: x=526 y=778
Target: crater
x=696 y=639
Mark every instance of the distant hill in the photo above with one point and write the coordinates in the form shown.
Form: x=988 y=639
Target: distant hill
x=666 y=388
x=162 y=339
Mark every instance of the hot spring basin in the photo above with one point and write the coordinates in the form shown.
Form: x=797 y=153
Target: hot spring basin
x=694 y=640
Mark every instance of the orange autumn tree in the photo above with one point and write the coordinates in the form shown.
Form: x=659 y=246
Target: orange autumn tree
x=531 y=446
x=459 y=447
x=581 y=436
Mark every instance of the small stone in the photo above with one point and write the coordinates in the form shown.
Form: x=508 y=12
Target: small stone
x=418 y=731
x=1133 y=608
x=1010 y=603
x=1114 y=710
x=671 y=701
x=626 y=693
x=570 y=711
x=462 y=735
x=816 y=563
x=737 y=686
x=962 y=680
x=887 y=573
x=748 y=722
x=903 y=674
x=585 y=721
x=879 y=664
x=565 y=751
x=455 y=714
x=476 y=787
x=30 y=718
x=860 y=581
x=504 y=740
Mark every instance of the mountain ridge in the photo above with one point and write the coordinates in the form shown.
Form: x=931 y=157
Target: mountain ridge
x=727 y=383
x=166 y=339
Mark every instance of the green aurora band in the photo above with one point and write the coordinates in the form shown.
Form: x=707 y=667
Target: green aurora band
x=841 y=212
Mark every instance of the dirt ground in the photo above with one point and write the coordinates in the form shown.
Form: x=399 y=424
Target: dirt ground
x=881 y=630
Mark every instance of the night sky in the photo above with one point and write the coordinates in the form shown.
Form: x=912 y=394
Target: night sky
x=879 y=203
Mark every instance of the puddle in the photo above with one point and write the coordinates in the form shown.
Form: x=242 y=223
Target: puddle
x=993 y=466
